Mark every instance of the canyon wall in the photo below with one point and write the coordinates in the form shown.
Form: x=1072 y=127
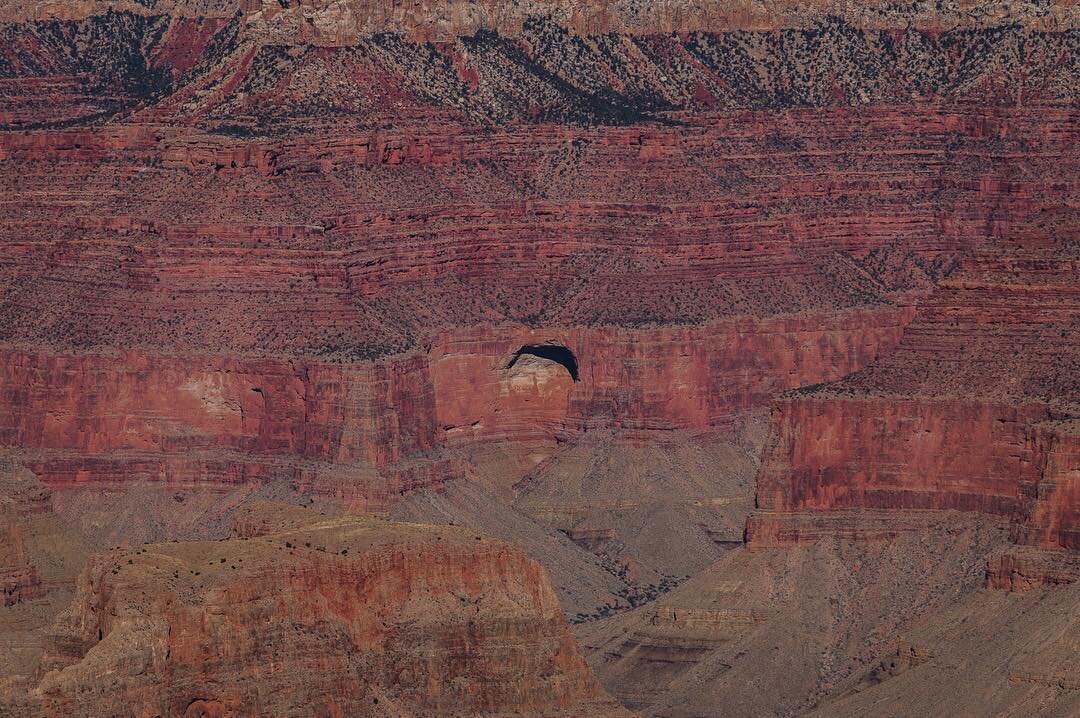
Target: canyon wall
x=237 y=255
x=200 y=300
x=658 y=378
x=214 y=420
x=334 y=615
x=22 y=498
x=18 y=577
x=339 y=20
x=535 y=266
x=955 y=418
x=143 y=417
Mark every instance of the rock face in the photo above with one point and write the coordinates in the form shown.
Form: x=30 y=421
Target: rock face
x=21 y=497
x=539 y=266
x=939 y=669
x=952 y=419
x=951 y=453
x=212 y=419
x=779 y=631
x=197 y=291
x=892 y=454
x=302 y=613
x=39 y=559
x=339 y=21
x=134 y=417
x=18 y=578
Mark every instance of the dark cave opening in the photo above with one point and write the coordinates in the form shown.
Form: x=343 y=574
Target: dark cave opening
x=553 y=352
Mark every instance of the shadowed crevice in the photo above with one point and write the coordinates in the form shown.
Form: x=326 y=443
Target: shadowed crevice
x=552 y=352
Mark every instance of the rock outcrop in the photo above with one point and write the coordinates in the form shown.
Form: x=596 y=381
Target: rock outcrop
x=779 y=631
x=954 y=452
x=494 y=263
x=19 y=579
x=954 y=418
x=694 y=269
x=21 y=497
x=39 y=559
x=339 y=21
x=301 y=613
x=992 y=652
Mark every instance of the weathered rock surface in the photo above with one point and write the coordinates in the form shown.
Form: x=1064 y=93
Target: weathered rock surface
x=975 y=410
x=39 y=559
x=21 y=496
x=194 y=288
x=583 y=580
x=494 y=263
x=18 y=578
x=776 y=631
x=339 y=21
x=1006 y=654
x=952 y=453
x=301 y=613
x=1022 y=568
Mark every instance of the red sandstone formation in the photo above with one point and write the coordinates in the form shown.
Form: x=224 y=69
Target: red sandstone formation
x=336 y=616
x=531 y=265
x=954 y=418
x=18 y=578
x=741 y=333
x=21 y=497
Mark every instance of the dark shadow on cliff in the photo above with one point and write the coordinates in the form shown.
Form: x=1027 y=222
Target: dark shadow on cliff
x=552 y=352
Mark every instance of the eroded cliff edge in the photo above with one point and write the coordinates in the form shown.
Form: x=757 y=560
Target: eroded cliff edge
x=922 y=501
x=300 y=613
x=500 y=277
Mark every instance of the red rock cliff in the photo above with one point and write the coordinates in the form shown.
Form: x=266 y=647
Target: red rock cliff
x=21 y=497
x=956 y=418
x=337 y=616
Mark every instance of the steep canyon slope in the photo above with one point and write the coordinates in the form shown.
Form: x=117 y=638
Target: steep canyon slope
x=903 y=514
x=624 y=284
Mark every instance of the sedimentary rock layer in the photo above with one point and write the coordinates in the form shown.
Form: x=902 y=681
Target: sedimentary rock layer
x=18 y=577
x=693 y=267
x=777 y=631
x=135 y=416
x=239 y=250
x=712 y=228
x=21 y=497
x=898 y=454
x=975 y=410
x=355 y=246
x=1024 y=568
x=332 y=615
x=991 y=652
x=342 y=20
x=246 y=78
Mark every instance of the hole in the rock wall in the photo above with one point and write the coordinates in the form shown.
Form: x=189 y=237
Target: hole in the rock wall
x=553 y=352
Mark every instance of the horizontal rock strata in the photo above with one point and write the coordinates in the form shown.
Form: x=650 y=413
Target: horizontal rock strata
x=335 y=615
x=955 y=418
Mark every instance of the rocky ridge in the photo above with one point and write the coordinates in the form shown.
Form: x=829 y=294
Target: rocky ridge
x=490 y=264
x=300 y=612
x=340 y=20
x=956 y=421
